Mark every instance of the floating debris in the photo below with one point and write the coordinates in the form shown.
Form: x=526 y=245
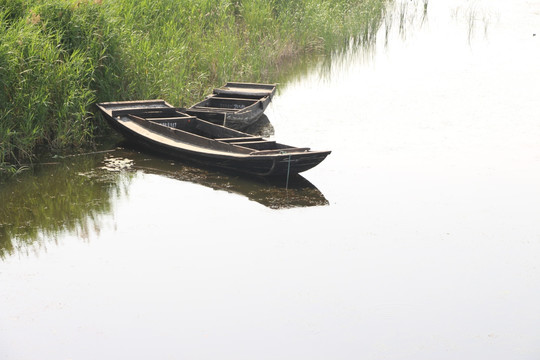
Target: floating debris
x=117 y=164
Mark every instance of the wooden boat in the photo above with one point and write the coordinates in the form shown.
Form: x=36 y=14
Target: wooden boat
x=162 y=128
x=235 y=105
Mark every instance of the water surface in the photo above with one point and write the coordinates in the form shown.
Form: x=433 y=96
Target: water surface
x=417 y=238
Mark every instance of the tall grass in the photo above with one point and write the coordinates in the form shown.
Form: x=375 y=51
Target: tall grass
x=49 y=57
x=58 y=57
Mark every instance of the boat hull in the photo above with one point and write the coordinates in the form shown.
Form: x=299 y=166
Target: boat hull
x=261 y=165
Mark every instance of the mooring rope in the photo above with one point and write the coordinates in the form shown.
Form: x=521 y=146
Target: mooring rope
x=288 y=172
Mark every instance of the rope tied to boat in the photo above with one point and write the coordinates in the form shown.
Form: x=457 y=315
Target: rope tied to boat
x=288 y=173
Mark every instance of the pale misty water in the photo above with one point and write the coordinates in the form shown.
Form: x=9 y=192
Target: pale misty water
x=419 y=237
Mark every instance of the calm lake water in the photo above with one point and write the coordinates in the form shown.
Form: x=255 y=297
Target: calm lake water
x=417 y=238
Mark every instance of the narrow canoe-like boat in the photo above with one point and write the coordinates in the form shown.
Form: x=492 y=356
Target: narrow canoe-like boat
x=160 y=127
x=234 y=105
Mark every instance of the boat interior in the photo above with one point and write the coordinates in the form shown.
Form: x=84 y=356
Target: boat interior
x=224 y=103
x=245 y=90
x=171 y=119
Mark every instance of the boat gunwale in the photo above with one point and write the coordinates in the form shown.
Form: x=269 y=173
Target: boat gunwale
x=182 y=136
x=258 y=89
x=270 y=153
x=253 y=104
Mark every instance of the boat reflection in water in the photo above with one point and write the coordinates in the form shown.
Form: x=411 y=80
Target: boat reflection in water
x=274 y=193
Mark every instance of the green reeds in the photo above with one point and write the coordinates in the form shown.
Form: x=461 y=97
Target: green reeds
x=59 y=57
x=48 y=58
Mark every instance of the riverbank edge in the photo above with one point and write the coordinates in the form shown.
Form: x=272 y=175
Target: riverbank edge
x=58 y=58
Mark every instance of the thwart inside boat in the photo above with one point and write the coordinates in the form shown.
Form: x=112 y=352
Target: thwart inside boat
x=180 y=122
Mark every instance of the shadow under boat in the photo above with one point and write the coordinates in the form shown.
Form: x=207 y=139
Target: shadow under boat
x=274 y=193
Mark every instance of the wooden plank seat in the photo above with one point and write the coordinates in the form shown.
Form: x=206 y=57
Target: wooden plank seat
x=172 y=118
x=280 y=151
x=239 y=139
x=142 y=111
x=173 y=122
x=242 y=92
x=253 y=142
x=201 y=107
x=256 y=145
x=228 y=99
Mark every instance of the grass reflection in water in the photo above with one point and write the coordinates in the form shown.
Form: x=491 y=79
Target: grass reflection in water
x=66 y=195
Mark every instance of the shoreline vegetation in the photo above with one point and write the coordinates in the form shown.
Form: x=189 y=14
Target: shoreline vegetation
x=59 y=57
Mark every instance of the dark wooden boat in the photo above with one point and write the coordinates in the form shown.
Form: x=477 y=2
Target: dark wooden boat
x=162 y=128
x=234 y=105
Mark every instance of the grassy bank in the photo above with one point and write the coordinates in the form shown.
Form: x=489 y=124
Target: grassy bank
x=58 y=57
